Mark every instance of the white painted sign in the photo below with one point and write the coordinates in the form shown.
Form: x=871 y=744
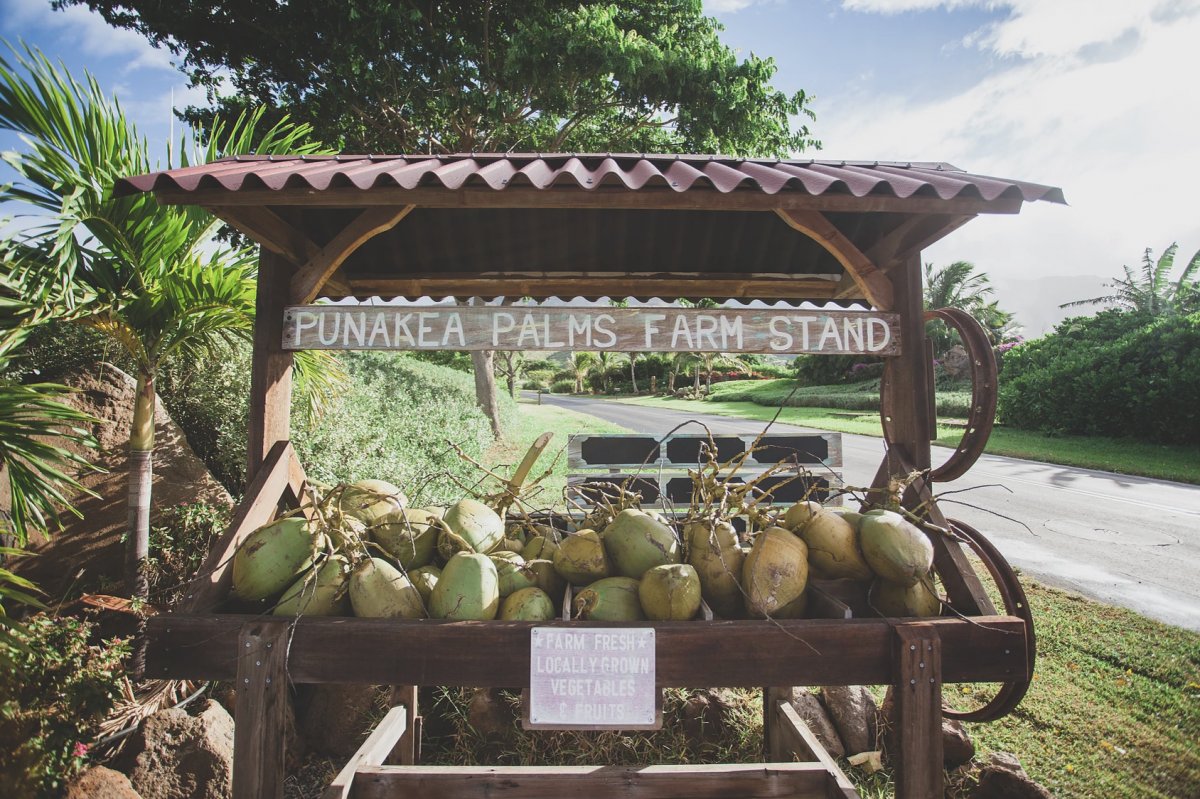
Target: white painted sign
x=594 y=678
x=570 y=328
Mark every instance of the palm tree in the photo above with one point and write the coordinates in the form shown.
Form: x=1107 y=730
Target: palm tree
x=580 y=365
x=959 y=285
x=1150 y=290
x=152 y=277
x=605 y=360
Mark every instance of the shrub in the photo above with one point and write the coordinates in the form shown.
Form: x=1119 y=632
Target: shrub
x=824 y=370
x=562 y=387
x=178 y=545
x=52 y=700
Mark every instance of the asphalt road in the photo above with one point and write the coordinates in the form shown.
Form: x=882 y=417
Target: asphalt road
x=1128 y=541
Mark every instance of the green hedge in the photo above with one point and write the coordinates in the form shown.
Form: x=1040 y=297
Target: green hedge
x=1115 y=374
x=862 y=396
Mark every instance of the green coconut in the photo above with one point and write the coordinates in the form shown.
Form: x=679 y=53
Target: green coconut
x=546 y=577
x=610 y=599
x=852 y=516
x=379 y=591
x=424 y=579
x=409 y=535
x=539 y=547
x=273 y=557
x=528 y=604
x=894 y=599
x=775 y=574
x=470 y=526
x=637 y=542
x=581 y=559
x=714 y=554
x=895 y=549
x=469 y=589
x=368 y=500
x=512 y=573
x=799 y=514
x=833 y=551
x=670 y=592
x=320 y=592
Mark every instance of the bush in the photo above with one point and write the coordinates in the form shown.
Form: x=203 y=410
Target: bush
x=562 y=387
x=178 y=545
x=52 y=701
x=824 y=370
x=1115 y=374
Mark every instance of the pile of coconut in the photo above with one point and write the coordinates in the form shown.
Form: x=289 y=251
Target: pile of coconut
x=362 y=550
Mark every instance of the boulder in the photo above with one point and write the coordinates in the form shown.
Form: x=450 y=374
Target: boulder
x=337 y=718
x=1002 y=777
x=489 y=713
x=957 y=362
x=705 y=715
x=99 y=782
x=852 y=710
x=957 y=747
x=810 y=709
x=176 y=755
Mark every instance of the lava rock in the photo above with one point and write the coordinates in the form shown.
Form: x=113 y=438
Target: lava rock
x=1004 y=778
x=99 y=782
x=813 y=712
x=176 y=755
x=852 y=710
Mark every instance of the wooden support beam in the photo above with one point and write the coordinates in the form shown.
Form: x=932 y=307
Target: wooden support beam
x=800 y=739
x=259 y=710
x=909 y=374
x=373 y=752
x=918 y=696
x=874 y=284
x=911 y=236
x=407 y=751
x=271 y=368
x=307 y=283
x=270 y=230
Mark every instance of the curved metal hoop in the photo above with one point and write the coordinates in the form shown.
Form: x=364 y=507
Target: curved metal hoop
x=1015 y=604
x=983 y=395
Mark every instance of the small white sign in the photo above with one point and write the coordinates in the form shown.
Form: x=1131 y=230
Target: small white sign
x=595 y=678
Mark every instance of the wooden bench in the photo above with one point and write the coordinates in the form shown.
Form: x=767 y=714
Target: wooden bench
x=657 y=468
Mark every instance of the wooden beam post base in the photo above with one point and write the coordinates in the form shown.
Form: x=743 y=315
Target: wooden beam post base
x=918 y=697
x=259 y=711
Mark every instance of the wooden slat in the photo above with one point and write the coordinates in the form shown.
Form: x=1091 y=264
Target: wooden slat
x=911 y=236
x=918 y=695
x=428 y=652
x=824 y=605
x=800 y=738
x=749 y=780
x=307 y=283
x=873 y=283
x=258 y=739
x=407 y=751
x=676 y=486
x=211 y=583
x=629 y=451
x=373 y=752
x=521 y=197
x=271 y=367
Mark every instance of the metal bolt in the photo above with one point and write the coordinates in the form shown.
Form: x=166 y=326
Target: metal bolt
x=268 y=681
x=247 y=681
x=1007 y=652
x=269 y=646
x=259 y=663
x=912 y=682
x=922 y=664
x=931 y=681
x=912 y=647
x=247 y=644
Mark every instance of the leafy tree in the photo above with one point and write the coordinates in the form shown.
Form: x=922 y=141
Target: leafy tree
x=152 y=277
x=442 y=77
x=960 y=285
x=1149 y=290
x=580 y=366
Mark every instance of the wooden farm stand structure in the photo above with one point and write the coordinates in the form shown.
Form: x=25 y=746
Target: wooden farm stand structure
x=563 y=225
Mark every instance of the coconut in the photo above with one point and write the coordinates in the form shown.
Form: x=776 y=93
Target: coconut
x=424 y=579
x=894 y=599
x=367 y=500
x=409 y=535
x=470 y=526
x=513 y=545
x=637 y=542
x=714 y=554
x=379 y=591
x=800 y=513
x=320 y=592
x=775 y=574
x=610 y=599
x=512 y=573
x=469 y=588
x=895 y=549
x=581 y=558
x=833 y=547
x=546 y=577
x=528 y=604
x=540 y=547
x=670 y=592
x=273 y=557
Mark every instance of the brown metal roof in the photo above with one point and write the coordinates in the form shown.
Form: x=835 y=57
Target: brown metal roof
x=631 y=172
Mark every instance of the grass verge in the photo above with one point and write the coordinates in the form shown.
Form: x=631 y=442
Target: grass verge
x=1123 y=456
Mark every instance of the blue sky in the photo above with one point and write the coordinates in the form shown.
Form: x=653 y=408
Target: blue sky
x=1100 y=97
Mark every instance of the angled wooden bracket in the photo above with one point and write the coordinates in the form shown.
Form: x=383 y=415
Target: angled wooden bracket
x=875 y=286
x=911 y=236
x=307 y=283
x=270 y=230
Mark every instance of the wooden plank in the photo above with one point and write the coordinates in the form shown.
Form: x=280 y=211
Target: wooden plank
x=258 y=739
x=873 y=283
x=270 y=230
x=800 y=738
x=407 y=750
x=676 y=487
x=373 y=752
x=918 y=695
x=719 y=781
x=615 y=283
x=271 y=367
x=211 y=583
x=824 y=605
x=522 y=197
x=430 y=652
x=774 y=750
x=605 y=328
x=306 y=283
x=630 y=451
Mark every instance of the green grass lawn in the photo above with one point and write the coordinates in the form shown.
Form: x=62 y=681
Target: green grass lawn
x=1124 y=456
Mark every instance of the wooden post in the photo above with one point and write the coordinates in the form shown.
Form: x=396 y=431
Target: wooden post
x=774 y=749
x=271 y=369
x=918 y=696
x=407 y=751
x=259 y=710
x=909 y=382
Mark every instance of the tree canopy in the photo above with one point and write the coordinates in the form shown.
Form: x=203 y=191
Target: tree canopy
x=1150 y=290
x=436 y=77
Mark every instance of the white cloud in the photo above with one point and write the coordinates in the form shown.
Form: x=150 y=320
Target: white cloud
x=727 y=6
x=81 y=29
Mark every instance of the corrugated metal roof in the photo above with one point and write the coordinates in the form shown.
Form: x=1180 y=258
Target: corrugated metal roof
x=631 y=171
